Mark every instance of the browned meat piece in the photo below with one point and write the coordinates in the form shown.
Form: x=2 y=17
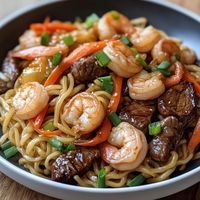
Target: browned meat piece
x=167 y=140
x=179 y=101
x=76 y=162
x=8 y=74
x=87 y=69
x=138 y=113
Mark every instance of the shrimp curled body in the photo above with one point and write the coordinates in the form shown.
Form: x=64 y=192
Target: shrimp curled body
x=146 y=86
x=126 y=147
x=30 y=99
x=84 y=112
x=123 y=61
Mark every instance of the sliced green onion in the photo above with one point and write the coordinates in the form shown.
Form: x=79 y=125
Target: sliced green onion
x=114 y=118
x=69 y=147
x=107 y=83
x=45 y=39
x=142 y=62
x=102 y=58
x=10 y=152
x=166 y=73
x=115 y=14
x=56 y=59
x=90 y=20
x=138 y=180
x=126 y=41
x=163 y=65
x=178 y=58
x=68 y=40
x=101 y=178
x=49 y=126
x=55 y=143
x=6 y=145
x=154 y=128
x=134 y=50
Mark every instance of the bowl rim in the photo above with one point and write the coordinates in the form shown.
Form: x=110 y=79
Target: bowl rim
x=31 y=177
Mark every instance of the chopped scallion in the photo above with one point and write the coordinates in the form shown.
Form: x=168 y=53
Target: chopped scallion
x=90 y=20
x=178 y=58
x=56 y=59
x=107 y=83
x=101 y=178
x=56 y=143
x=134 y=50
x=163 y=65
x=45 y=39
x=68 y=40
x=49 y=126
x=142 y=62
x=5 y=145
x=69 y=147
x=114 y=118
x=154 y=128
x=138 y=180
x=126 y=41
x=166 y=73
x=102 y=58
x=115 y=14
x=10 y=152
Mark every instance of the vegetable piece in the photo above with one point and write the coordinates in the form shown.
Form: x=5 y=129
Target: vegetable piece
x=68 y=40
x=90 y=20
x=154 y=128
x=6 y=145
x=188 y=77
x=56 y=59
x=101 y=178
x=39 y=51
x=45 y=39
x=107 y=83
x=52 y=27
x=104 y=131
x=163 y=65
x=134 y=50
x=126 y=41
x=56 y=143
x=10 y=152
x=49 y=126
x=166 y=73
x=102 y=58
x=195 y=139
x=178 y=58
x=78 y=20
x=114 y=118
x=115 y=14
x=142 y=62
x=69 y=147
x=138 y=180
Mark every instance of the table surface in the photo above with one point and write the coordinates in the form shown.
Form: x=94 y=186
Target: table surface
x=11 y=190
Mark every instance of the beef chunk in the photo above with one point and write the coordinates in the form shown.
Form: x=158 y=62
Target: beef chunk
x=138 y=113
x=167 y=140
x=87 y=69
x=76 y=162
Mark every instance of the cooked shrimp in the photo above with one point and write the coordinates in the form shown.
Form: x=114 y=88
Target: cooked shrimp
x=145 y=39
x=127 y=148
x=109 y=25
x=123 y=61
x=188 y=56
x=30 y=99
x=165 y=49
x=84 y=112
x=146 y=86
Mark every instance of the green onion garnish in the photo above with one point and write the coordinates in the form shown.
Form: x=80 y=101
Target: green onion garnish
x=101 y=178
x=166 y=73
x=56 y=59
x=126 y=41
x=5 y=145
x=49 y=126
x=163 y=65
x=10 y=152
x=107 y=83
x=114 y=118
x=90 y=20
x=178 y=58
x=68 y=40
x=154 y=128
x=138 y=180
x=56 y=143
x=134 y=50
x=115 y=14
x=45 y=39
x=102 y=58
x=69 y=147
x=142 y=62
